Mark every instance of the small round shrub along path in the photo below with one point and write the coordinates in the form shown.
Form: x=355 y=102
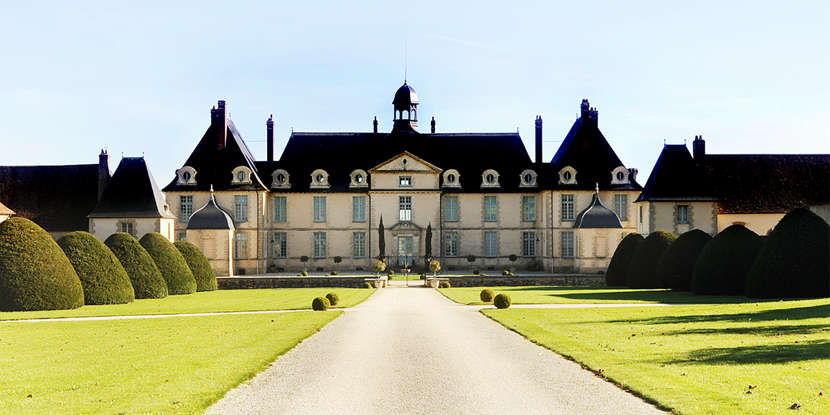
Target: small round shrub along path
x=424 y=367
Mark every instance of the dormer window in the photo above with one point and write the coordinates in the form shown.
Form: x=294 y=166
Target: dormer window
x=619 y=175
x=319 y=179
x=186 y=175
x=528 y=178
x=358 y=178
x=567 y=175
x=452 y=178
x=405 y=181
x=490 y=178
x=280 y=179
x=241 y=175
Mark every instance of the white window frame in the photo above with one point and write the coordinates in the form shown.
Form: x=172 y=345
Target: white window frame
x=451 y=209
x=451 y=244
x=490 y=211
x=621 y=206
x=319 y=248
x=319 y=209
x=405 y=208
x=683 y=214
x=529 y=244
x=358 y=209
x=568 y=244
x=185 y=207
x=529 y=208
x=491 y=244
x=240 y=245
x=280 y=209
x=359 y=244
x=240 y=210
x=568 y=207
x=279 y=239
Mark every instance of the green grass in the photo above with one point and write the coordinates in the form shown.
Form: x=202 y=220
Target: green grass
x=697 y=359
x=207 y=302
x=590 y=295
x=176 y=365
x=401 y=277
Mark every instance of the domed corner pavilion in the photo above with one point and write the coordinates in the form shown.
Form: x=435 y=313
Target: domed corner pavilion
x=211 y=229
x=594 y=227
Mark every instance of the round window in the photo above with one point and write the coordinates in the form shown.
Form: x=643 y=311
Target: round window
x=567 y=176
x=240 y=176
x=358 y=178
x=451 y=178
x=491 y=178
x=186 y=176
x=281 y=178
x=620 y=176
x=321 y=178
x=528 y=178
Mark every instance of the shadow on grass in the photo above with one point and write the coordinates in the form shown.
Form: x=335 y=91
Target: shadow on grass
x=661 y=296
x=773 y=353
x=762 y=331
x=796 y=313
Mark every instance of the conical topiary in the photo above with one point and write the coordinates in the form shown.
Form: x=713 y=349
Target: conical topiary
x=795 y=259
x=170 y=262
x=34 y=272
x=103 y=278
x=677 y=264
x=144 y=275
x=724 y=263
x=199 y=265
x=642 y=272
x=617 y=273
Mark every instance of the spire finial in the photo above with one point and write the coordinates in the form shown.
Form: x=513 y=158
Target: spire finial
x=405 y=60
x=597 y=188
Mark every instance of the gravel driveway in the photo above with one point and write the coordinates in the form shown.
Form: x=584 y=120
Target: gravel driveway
x=412 y=351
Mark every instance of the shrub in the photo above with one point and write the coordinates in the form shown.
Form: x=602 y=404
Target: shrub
x=487 y=295
x=144 y=275
x=642 y=271
x=502 y=301
x=199 y=265
x=422 y=276
x=434 y=266
x=390 y=273
x=333 y=273
x=170 y=263
x=795 y=260
x=102 y=277
x=444 y=284
x=475 y=272
x=725 y=261
x=367 y=285
x=304 y=273
x=507 y=273
x=677 y=264
x=304 y=258
x=513 y=257
x=338 y=259
x=617 y=273
x=380 y=266
x=333 y=299
x=471 y=258
x=320 y=304
x=34 y=272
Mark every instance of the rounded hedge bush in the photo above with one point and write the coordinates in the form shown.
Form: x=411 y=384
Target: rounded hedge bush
x=171 y=263
x=199 y=266
x=642 y=271
x=617 y=273
x=34 y=272
x=725 y=261
x=444 y=284
x=103 y=278
x=502 y=301
x=795 y=259
x=487 y=295
x=333 y=299
x=677 y=264
x=320 y=304
x=141 y=269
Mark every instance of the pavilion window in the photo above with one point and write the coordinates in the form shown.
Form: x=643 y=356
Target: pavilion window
x=491 y=209
x=319 y=208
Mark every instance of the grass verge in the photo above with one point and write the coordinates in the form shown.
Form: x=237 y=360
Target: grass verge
x=588 y=295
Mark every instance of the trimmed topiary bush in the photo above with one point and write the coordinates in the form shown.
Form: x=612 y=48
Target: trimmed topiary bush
x=320 y=304
x=34 y=272
x=795 y=259
x=617 y=273
x=642 y=271
x=102 y=277
x=444 y=284
x=677 y=264
x=502 y=301
x=199 y=265
x=725 y=261
x=333 y=299
x=171 y=263
x=487 y=295
x=144 y=275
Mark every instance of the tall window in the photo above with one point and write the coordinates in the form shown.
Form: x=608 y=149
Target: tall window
x=567 y=207
x=405 y=208
x=319 y=208
x=359 y=244
x=682 y=213
x=451 y=244
x=279 y=245
x=528 y=208
x=240 y=210
x=280 y=204
x=127 y=227
x=319 y=239
x=528 y=243
x=568 y=244
x=240 y=246
x=641 y=214
x=451 y=209
x=358 y=208
x=185 y=208
x=491 y=209
x=491 y=244
x=405 y=181
x=621 y=206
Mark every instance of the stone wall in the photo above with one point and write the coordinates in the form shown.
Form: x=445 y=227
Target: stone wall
x=235 y=283
x=581 y=280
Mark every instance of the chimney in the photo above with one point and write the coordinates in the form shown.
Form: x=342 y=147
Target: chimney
x=593 y=115
x=375 y=125
x=103 y=172
x=269 y=128
x=632 y=174
x=432 y=125
x=219 y=120
x=538 y=139
x=699 y=148
x=584 y=108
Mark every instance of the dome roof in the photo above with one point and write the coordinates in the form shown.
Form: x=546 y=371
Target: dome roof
x=210 y=216
x=405 y=96
x=597 y=216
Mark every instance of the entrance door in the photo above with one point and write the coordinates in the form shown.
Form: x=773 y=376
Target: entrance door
x=406 y=246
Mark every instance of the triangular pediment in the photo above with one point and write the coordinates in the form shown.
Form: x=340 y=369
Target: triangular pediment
x=405 y=161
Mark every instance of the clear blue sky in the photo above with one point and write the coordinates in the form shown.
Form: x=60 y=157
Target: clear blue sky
x=78 y=76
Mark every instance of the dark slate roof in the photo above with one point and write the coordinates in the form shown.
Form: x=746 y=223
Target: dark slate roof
x=210 y=216
x=214 y=166
x=675 y=178
x=57 y=198
x=131 y=193
x=596 y=215
x=405 y=96
x=4 y=210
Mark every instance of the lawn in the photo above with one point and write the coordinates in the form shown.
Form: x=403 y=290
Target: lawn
x=590 y=295
x=207 y=302
x=751 y=358
x=175 y=365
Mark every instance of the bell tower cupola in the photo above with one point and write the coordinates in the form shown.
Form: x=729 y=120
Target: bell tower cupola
x=406 y=109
